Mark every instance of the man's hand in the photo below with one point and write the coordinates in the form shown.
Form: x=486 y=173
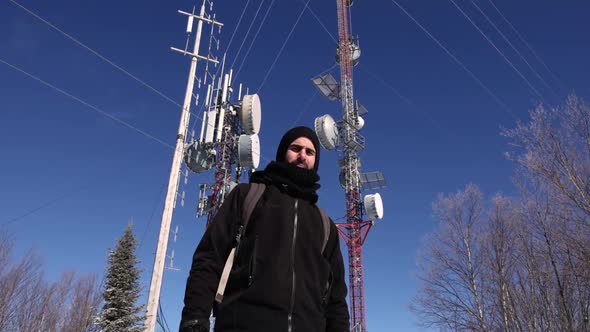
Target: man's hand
x=195 y=325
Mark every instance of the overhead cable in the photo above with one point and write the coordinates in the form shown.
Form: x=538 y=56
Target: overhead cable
x=321 y=23
x=247 y=33
x=528 y=46
x=98 y=110
x=457 y=61
x=237 y=25
x=282 y=47
x=157 y=202
x=305 y=107
x=405 y=99
x=498 y=50
x=514 y=48
x=46 y=204
x=161 y=94
x=253 y=40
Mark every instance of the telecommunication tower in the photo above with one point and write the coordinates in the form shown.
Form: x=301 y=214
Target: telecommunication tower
x=344 y=136
x=228 y=141
x=228 y=137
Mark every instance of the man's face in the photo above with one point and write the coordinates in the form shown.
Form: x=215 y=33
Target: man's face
x=301 y=153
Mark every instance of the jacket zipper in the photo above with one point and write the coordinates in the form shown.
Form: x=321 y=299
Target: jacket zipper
x=290 y=317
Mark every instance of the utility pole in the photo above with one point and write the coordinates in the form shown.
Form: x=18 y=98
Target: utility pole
x=156 y=281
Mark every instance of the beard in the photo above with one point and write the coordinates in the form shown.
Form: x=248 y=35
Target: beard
x=300 y=164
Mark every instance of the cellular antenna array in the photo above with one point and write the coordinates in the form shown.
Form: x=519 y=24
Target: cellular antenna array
x=228 y=140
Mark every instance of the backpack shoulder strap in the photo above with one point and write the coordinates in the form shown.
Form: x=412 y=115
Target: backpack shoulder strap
x=255 y=191
x=326 y=223
x=252 y=197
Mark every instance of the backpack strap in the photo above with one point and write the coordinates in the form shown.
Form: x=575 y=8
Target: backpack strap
x=326 y=223
x=225 y=275
x=255 y=191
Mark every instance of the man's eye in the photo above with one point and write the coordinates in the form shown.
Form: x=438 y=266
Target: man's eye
x=310 y=152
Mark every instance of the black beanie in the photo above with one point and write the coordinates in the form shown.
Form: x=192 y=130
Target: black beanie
x=294 y=134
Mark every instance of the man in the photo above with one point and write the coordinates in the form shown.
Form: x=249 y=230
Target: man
x=281 y=280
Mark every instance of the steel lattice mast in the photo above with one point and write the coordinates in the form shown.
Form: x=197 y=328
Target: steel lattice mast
x=223 y=170
x=226 y=152
x=344 y=136
x=354 y=231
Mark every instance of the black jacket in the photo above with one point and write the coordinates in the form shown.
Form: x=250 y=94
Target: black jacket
x=280 y=276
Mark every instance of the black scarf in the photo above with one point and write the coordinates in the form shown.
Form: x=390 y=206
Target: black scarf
x=295 y=181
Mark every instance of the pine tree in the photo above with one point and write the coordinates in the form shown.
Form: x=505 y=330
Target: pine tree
x=122 y=289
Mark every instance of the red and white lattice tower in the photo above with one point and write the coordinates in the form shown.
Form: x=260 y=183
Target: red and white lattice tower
x=355 y=229
x=345 y=137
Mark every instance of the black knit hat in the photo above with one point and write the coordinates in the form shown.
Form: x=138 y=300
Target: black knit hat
x=294 y=134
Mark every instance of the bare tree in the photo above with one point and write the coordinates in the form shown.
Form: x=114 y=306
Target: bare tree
x=5 y=249
x=14 y=285
x=31 y=304
x=502 y=263
x=553 y=158
x=452 y=262
x=84 y=305
x=555 y=150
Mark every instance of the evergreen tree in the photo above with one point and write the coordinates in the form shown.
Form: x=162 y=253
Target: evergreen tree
x=122 y=289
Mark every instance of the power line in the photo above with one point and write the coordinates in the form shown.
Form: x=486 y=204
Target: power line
x=282 y=48
x=108 y=115
x=305 y=107
x=157 y=203
x=322 y=24
x=162 y=318
x=254 y=39
x=97 y=54
x=247 y=33
x=405 y=99
x=514 y=48
x=457 y=61
x=498 y=50
x=237 y=25
x=46 y=204
x=112 y=63
x=104 y=113
x=100 y=111
x=527 y=45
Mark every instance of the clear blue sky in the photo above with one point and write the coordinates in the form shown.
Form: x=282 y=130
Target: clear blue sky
x=72 y=178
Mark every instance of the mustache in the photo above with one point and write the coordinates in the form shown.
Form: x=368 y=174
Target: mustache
x=299 y=161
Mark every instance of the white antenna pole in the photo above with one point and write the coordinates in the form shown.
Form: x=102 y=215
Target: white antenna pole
x=156 y=282
x=205 y=113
